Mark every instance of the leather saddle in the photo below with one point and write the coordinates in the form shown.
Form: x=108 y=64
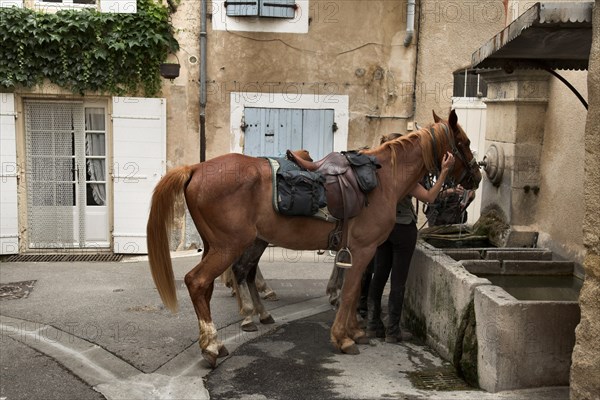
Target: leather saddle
x=344 y=197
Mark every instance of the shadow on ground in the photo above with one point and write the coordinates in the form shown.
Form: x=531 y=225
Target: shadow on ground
x=289 y=363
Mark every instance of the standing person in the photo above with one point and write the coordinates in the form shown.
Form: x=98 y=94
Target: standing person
x=394 y=255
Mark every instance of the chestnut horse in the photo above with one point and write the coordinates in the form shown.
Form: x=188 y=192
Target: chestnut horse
x=246 y=280
x=230 y=201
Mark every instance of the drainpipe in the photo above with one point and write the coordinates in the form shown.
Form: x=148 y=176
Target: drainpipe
x=410 y=30
x=410 y=22
x=203 y=80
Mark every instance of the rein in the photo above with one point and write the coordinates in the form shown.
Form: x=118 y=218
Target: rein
x=456 y=152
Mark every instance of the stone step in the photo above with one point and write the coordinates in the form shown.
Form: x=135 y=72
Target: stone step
x=499 y=253
x=517 y=254
x=537 y=267
x=518 y=267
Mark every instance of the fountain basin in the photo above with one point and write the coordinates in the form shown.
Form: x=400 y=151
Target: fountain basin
x=504 y=317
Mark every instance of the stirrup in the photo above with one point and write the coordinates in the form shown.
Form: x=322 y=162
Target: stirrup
x=345 y=255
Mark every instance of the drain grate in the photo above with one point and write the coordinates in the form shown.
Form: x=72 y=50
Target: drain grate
x=64 y=258
x=444 y=378
x=16 y=290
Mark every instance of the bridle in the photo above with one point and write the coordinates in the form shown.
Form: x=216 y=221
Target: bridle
x=468 y=173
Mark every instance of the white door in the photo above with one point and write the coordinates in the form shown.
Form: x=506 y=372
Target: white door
x=9 y=225
x=66 y=169
x=139 y=149
x=471 y=116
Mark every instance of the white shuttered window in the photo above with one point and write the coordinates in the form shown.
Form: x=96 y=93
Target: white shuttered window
x=107 y=6
x=9 y=225
x=139 y=148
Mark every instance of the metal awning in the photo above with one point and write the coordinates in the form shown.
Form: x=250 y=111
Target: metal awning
x=546 y=36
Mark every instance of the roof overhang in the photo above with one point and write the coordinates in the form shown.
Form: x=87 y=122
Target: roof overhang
x=546 y=36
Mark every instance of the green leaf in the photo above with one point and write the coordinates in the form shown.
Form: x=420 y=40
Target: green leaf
x=85 y=50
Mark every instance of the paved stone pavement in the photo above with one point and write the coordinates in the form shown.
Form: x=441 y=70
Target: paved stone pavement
x=98 y=330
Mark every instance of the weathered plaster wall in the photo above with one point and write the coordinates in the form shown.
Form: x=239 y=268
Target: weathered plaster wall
x=560 y=213
x=449 y=34
x=585 y=371
x=182 y=93
x=351 y=48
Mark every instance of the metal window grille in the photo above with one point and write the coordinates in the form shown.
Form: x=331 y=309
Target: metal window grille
x=55 y=201
x=468 y=83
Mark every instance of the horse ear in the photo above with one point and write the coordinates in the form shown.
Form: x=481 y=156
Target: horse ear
x=453 y=119
x=436 y=119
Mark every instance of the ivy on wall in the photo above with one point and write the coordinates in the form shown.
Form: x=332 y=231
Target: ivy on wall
x=85 y=50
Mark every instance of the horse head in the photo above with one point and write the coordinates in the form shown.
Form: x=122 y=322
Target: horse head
x=466 y=170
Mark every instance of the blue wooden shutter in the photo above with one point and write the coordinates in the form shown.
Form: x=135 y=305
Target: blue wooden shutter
x=277 y=8
x=272 y=131
x=241 y=8
x=317 y=132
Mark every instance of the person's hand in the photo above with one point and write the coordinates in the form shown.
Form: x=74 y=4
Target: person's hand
x=448 y=161
x=459 y=190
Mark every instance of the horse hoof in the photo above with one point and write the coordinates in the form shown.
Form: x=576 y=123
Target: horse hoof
x=210 y=358
x=362 y=340
x=267 y=321
x=271 y=295
x=352 y=350
x=249 y=327
x=223 y=352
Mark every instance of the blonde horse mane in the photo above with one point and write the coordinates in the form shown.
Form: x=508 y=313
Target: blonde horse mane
x=423 y=137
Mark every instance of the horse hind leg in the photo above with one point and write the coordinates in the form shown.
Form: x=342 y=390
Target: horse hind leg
x=200 y=284
x=244 y=300
x=247 y=309
x=243 y=267
x=228 y=280
x=245 y=270
x=263 y=287
x=263 y=315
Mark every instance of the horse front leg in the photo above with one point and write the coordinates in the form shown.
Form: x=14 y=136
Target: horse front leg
x=200 y=284
x=345 y=331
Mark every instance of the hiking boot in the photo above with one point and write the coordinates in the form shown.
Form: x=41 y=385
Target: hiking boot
x=374 y=323
x=375 y=333
x=403 y=337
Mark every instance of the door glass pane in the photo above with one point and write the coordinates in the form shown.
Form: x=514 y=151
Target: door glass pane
x=94 y=194
x=94 y=119
x=95 y=152
x=95 y=144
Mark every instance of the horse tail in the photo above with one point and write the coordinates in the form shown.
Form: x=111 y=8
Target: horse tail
x=167 y=194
